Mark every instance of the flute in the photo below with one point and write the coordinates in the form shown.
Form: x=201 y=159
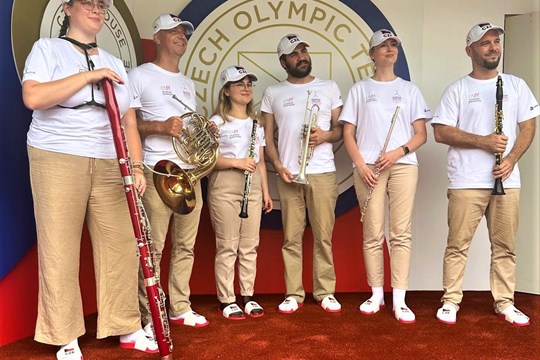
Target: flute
x=248 y=175
x=377 y=171
x=141 y=228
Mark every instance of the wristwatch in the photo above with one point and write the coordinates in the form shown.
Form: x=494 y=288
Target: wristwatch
x=405 y=149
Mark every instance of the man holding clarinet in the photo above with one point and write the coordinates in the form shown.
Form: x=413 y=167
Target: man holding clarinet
x=465 y=120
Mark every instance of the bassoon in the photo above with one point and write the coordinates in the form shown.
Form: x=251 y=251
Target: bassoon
x=141 y=228
x=498 y=188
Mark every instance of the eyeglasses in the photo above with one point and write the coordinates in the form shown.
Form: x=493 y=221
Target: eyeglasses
x=90 y=5
x=243 y=86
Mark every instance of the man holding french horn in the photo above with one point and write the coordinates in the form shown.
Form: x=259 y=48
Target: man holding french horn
x=166 y=97
x=469 y=111
x=305 y=110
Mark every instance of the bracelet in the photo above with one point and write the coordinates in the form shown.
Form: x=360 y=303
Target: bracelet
x=138 y=166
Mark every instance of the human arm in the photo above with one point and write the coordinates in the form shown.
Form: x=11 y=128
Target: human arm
x=43 y=95
x=349 y=139
x=267 y=200
x=335 y=133
x=271 y=151
x=135 y=148
x=415 y=142
x=523 y=141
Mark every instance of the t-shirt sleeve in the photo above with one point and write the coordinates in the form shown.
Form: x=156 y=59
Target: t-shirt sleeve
x=40 y=63
x=135 y=88
x=419 y=106
x=337 y=100
x=528 y=106
x=266 y=102
x=447 y=112
x=349 y=113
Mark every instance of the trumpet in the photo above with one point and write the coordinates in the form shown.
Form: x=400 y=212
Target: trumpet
x=196 y=146
x=498 y=188
x=377 y=171
x=311 y=118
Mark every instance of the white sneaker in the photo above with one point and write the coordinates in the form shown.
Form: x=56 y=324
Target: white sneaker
x=330 y=304
x=289 y=305
x=149 y=331
x=514 y=316
x=447 y=314
x=404 y=315
x=71 y=353
x=370 y=307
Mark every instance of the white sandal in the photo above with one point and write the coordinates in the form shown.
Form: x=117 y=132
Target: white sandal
x=370 y=307
x=253 y=305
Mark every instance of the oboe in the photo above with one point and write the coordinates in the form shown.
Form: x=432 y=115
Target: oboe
x=377 y=171
x=248 y=175
x=498 y=188
x=141 y=228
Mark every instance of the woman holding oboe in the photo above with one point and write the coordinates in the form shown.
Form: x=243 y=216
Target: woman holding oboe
x=75 y=180
x=384 y=124
x=237 y=189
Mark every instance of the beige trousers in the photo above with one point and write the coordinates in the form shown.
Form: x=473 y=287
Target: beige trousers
x=237 y=239
x=398 y=184
x=319 y=199
x=184 y=233
x=465 y=210
x=69 y=190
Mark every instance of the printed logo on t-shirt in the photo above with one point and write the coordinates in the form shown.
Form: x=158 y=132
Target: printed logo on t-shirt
x=474 y=97
x=396 y=98
x=166 y=90
x=232 y=134
x=371 y=98
x=288 y=102
x=187 y=93
x=315 y=100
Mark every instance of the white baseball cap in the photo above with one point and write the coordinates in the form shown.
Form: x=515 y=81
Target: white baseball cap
x=106 y=2
x=479 y=30
x=168 y=21
x=235 y=73
x=381 y=36
x=288 y=43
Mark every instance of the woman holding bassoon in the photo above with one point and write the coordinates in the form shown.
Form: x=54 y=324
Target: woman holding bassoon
x=237 y=189
x=75 y=180
x=384 y=124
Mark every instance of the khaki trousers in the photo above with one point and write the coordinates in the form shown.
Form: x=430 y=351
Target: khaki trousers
x=184 y=233
x=398 y=184
x=236 y=238
x=67 y=191
x=465 y=210
x=319 y=199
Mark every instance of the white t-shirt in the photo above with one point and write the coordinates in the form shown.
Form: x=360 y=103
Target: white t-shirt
x=469 y=105
x=371 y=105
x=288 y=103
x=235 y=137
x=153 y=89
x=85 y=131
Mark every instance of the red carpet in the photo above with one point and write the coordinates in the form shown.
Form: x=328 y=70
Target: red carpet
x=311 y=333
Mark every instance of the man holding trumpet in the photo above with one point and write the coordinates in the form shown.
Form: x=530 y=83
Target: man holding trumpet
x=305 y=110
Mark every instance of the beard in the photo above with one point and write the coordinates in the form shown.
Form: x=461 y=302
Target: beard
x=491 y=65
x=296 y=72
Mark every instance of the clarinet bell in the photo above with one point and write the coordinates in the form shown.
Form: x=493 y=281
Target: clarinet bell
x=498 y=188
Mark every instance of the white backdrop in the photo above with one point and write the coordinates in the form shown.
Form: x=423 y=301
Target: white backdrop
x=436 y=57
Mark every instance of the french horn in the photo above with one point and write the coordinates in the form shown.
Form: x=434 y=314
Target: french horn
x=197 y=146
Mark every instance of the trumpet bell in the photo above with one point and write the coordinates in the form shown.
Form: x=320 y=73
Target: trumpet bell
x=176 y=190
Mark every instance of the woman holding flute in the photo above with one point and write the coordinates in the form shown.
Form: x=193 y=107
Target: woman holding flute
x=384 y=124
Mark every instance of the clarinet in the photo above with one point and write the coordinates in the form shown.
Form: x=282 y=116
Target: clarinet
x=377 y=171
x=248 y=175
x=141 y=228
x=498 y=188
